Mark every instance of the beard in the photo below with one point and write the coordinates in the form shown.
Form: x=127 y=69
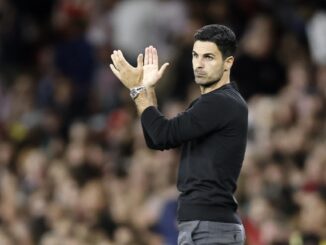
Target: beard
x=205 y=80
x=209 y=83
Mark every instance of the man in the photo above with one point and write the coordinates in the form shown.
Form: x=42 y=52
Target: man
x=212 y=133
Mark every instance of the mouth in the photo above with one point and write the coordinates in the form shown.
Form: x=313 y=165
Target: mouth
x=200 y=74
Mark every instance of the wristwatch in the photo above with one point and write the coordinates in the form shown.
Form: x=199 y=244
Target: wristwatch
x=134 y=92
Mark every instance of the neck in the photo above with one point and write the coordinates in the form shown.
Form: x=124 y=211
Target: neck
x=225 y=79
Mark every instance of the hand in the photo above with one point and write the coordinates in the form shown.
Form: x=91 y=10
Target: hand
x=151 y=72
x=130 y=76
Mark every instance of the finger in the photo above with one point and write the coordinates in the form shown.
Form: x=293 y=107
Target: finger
x=146 y=55
x=150 y=56
x=162 y=69
x=122 y=60
x=115 y=60
x=115 y=71
x=155 y=57
x=140 y=61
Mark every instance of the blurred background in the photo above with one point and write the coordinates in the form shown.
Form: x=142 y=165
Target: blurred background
x=74 y=168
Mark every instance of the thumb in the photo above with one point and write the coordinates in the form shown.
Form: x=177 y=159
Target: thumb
x=162 y=69
x=140 y=61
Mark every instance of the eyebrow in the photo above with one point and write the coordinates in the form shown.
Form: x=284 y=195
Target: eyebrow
x=205 y=54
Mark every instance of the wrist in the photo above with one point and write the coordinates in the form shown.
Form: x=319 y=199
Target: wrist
x=148 y=84
x=135 y=91
x=150 y=88
x=144 y=100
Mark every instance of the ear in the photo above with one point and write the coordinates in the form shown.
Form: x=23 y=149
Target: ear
x=228 y=62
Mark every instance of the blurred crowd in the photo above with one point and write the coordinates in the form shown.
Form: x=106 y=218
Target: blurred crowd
x=74 y=168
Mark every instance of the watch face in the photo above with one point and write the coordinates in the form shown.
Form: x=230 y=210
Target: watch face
x=133 y=93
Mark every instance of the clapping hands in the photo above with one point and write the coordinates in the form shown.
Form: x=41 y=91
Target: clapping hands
x=147 y=72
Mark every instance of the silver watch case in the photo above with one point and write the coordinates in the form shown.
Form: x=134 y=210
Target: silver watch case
x=134 y=92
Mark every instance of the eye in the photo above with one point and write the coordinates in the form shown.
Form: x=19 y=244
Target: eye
x=209 y=57
x=194 y=55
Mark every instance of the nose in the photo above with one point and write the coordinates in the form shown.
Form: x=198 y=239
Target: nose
x=198 y=63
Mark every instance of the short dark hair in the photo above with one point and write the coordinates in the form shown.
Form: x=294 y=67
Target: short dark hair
x=222 y=36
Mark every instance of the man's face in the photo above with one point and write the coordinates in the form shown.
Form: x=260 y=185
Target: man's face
x=207 y=63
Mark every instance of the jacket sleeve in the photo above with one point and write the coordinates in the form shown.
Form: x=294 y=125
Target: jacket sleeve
x=149 y=141
x=209 y=113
